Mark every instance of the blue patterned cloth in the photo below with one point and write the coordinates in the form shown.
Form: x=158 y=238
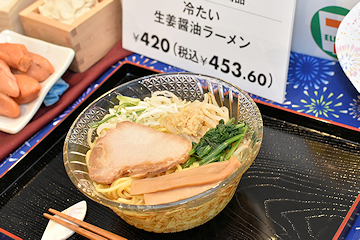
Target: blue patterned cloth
x=55 y=92
x=318 y=87
x=355 y=231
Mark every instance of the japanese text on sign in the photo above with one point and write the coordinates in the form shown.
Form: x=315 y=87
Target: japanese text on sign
x=234 y=41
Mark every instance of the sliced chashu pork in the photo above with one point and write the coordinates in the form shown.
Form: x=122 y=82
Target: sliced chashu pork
x=135 y=150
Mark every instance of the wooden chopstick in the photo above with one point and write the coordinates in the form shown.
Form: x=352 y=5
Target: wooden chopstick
x=75 y=228
x=92 y=234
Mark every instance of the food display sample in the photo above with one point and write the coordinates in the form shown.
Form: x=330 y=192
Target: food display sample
x=8 y=106
x=20 y=74
x=89 y=27
x=66 y=11
x=8 y=83
x=174 y=136
x=5 y=3
x=159 y=152
x=29 y=88
x=165 y=152
x=40 y=68
x=9 y=14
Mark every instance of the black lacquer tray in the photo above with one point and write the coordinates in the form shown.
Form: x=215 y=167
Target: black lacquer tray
x=301 y=185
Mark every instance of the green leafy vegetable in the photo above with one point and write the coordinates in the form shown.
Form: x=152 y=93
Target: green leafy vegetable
x=218 y=144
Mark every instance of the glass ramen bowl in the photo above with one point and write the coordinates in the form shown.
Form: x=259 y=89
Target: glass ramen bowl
x=187 y=213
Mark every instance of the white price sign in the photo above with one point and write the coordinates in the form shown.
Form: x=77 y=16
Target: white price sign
x=245 y=42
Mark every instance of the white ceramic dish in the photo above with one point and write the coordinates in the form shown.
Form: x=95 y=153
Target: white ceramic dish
x=60 y=57
x=348 y=45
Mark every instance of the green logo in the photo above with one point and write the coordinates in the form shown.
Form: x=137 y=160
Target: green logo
x=324 y=26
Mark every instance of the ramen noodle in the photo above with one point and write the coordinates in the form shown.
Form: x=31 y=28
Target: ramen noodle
x=165 y=112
